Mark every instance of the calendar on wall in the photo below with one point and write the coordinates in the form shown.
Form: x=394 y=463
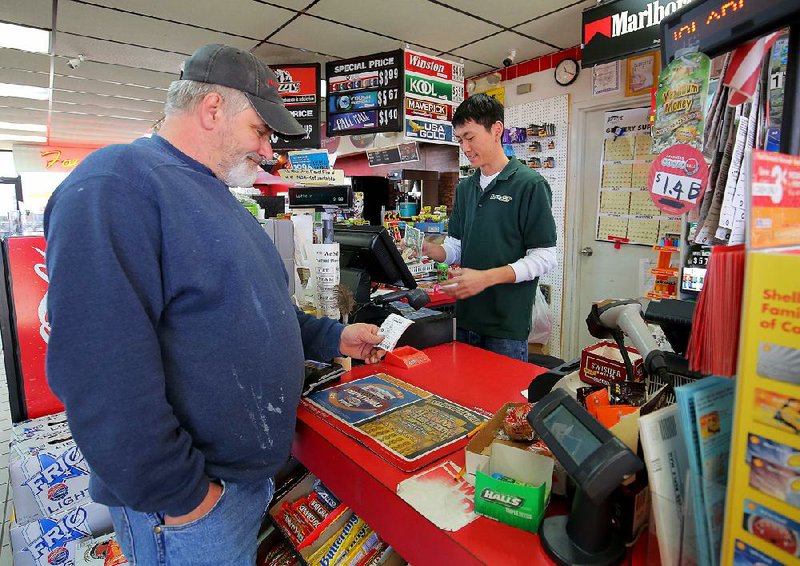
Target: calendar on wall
x=624 y=208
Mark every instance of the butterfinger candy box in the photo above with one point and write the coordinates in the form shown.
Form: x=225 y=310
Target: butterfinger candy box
x=100 y=551
x=49 y=482
x=55 y=540
x=602 y=364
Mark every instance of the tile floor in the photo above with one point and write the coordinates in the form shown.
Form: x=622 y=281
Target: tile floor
x=5 y=495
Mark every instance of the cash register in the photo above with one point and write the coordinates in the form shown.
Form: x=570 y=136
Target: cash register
x=368 y=258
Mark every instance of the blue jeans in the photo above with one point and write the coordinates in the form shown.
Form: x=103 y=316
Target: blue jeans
x=225 y=535
x=517 y=349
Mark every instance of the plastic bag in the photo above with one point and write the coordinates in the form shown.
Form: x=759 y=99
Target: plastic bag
x=541 y=323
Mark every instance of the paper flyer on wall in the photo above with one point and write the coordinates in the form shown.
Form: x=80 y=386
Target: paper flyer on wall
x=407 y=426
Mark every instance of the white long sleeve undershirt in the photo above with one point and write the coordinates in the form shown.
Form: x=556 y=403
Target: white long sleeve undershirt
x=535 y=263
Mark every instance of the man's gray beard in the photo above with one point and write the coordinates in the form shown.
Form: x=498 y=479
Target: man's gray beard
x=241 y=175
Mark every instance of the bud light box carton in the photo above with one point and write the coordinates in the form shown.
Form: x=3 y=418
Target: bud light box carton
x=602 y=364
x=49 y=482
x=43 y=427
x=55 y=540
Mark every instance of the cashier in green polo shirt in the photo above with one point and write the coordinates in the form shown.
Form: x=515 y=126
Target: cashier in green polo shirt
x=501 y=232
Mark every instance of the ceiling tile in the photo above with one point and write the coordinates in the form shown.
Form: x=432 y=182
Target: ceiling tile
x=494 y=49
x=471 y=69
x=508 y=12
x=305 y=33
x=276 y=54
x=27 y=78
x=152 y=96
x=16 y=59
x=127 y=55
x=22 y=115
x=115 y=74
x=418 y=21
x=36 y=13
x=92 y=21
x=240 y=17
x=114 y=105
x=562 y=28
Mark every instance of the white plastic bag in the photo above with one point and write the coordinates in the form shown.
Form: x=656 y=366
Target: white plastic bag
x=541 y=323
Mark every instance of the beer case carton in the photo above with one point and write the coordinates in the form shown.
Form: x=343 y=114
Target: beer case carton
x=43 y=427
x=100 y=551
x=55 y=540
x=49 y=482
x=602 y=364
x=53 y=441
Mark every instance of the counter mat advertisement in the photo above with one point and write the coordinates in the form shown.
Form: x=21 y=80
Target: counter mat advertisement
x=403 y=424
x=372 y=81
x=625 y=208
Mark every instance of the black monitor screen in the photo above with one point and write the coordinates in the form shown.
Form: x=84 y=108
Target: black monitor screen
x=568 y=431
x=370 y=248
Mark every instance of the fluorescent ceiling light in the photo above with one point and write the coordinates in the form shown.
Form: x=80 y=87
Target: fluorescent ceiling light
x=23 y=127
x=13 y=137
x=24 y=38
x=24 y=91
x=323 y=88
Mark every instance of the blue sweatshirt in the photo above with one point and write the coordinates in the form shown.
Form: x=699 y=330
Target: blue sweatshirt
x=174 y=345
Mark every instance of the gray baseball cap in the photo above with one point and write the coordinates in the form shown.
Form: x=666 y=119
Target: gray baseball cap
x=234 y=68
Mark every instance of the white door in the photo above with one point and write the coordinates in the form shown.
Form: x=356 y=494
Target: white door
x=607 y=272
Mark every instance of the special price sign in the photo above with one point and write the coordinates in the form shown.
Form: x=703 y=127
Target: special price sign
x=365 y=94
x=678 y=179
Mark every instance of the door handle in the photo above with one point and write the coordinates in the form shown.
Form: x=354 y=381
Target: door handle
x=587 y=251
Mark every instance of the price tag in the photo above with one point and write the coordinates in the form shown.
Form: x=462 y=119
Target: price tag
x=678 y=179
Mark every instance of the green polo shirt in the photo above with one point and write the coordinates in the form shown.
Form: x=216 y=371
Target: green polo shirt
x=496 y=227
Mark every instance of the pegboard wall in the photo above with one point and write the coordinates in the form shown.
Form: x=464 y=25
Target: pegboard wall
x=548 y=111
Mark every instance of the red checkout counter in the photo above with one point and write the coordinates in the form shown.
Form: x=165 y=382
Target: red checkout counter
x=368 y=484
x=469 y=376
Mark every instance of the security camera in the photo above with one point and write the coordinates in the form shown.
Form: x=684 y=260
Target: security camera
x=76 y=62
x=510 y=57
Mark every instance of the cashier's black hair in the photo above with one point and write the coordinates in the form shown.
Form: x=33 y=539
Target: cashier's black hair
x=481 y=109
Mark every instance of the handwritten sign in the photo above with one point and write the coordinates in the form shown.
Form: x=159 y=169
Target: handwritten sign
x=678 y=179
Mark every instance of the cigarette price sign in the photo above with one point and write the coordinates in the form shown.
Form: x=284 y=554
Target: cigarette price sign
x=365 y=94
x=678 y=178
x=434 y=87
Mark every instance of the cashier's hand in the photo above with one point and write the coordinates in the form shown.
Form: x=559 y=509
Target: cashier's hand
x=359 y=341
x=467 y=283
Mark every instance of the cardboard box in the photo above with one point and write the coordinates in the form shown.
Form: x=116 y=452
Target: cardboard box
x=517 y=505
x=100 y=551
x=49 y=482
x=47 y=441
x=55 y=540
x=602 y=364
x=39 y=428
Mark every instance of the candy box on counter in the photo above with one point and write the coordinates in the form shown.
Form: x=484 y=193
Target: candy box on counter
x=602 y=364
x=55 y=540
x=49 y=482
x=100 y=551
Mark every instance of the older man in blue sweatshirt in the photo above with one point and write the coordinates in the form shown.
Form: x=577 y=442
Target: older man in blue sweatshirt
x=175 y=346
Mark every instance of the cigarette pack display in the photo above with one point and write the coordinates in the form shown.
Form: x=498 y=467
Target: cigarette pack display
x=54 y=540
x=49 y=482
x=602 y=364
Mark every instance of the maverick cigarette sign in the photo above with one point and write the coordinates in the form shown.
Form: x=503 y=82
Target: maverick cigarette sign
x=617 y=29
